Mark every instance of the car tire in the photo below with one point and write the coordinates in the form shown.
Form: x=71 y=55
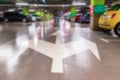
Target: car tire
x=6 y=20
x=80 y=21
x=106 y=30
x=24 y=20
x=117 y=30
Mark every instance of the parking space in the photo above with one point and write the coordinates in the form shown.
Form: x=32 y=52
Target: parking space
x=59 y=40
x=30 y=39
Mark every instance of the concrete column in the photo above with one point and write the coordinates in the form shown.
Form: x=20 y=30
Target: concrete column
x=94 y=22
x=73 y=14
x=96 y=9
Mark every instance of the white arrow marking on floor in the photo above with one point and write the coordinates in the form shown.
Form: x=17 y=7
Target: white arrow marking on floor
x=11 y=56
x=59 y=51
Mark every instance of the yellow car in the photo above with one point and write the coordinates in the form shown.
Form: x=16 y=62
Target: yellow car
x=110 y=20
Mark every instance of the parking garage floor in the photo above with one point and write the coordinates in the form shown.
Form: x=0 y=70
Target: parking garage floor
x=41 y=51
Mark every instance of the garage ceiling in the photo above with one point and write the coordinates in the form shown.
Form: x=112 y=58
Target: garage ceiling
x=42 y=1
x=7 y=2
x=50 y=1
x=38 y=1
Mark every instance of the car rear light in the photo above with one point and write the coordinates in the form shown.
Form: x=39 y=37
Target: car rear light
x=113 y=15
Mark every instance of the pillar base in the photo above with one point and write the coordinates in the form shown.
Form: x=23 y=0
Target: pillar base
x=72 y=19
x=94 y=22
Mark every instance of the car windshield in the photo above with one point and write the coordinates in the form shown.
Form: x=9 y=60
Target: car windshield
x=115 y=7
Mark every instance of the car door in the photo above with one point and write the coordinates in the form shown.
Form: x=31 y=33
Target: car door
x=1 y=16
x=17 y=17
x=12 y=16
x=21 y=17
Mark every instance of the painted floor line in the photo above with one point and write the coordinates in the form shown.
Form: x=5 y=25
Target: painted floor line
x=109 y=40
x=105 y=40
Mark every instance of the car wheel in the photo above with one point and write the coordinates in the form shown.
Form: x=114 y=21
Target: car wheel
x=6 y=20
x=80 y=21
x=24 y=20
x=106 y=30
x=117 y=30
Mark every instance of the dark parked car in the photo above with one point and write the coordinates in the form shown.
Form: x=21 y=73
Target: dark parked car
x=16 y=16
x=1 y=16
x=1 y=19
x=85 y=18
x=67 y=17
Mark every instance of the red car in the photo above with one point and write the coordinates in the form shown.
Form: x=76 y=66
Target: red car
x=77 y=17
